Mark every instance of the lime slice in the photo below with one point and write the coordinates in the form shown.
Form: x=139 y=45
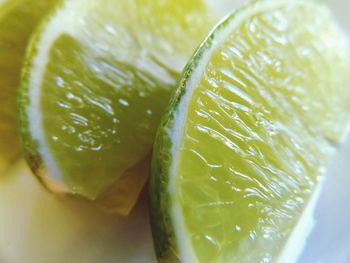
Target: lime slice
x=241 y=153
x=96 y=81
x=17 y=21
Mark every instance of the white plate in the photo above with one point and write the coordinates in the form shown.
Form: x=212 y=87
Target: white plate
x=36 y=227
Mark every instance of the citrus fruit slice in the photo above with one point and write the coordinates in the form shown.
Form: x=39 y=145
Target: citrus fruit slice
x=17 y=21
x=241 y=153
x=96 y=81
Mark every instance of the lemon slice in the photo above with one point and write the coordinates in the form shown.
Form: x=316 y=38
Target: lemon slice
x=96 y=81
x=241 y=153
x=18 y=18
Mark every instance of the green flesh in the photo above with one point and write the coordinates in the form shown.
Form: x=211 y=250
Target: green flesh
x=106 y=85
x=258 y=133
x=18 y=19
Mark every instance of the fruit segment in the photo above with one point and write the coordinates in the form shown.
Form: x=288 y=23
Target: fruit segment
x=248 y=138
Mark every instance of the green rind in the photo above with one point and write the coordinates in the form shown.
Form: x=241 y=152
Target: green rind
x=29 y=144
x=161 y=222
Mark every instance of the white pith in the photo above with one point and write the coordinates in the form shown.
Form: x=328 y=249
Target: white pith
x=64 y=21
x=297 y=239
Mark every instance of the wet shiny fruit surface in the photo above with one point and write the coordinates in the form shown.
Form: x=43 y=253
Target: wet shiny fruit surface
x=18 y=19
x=95 y=86
x=249 y=134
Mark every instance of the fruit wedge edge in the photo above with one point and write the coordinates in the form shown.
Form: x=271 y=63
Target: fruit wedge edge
x=29 y=144
x=161 y=221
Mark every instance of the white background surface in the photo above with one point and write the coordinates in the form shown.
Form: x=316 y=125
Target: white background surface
x=330 y=240
x=36 y=227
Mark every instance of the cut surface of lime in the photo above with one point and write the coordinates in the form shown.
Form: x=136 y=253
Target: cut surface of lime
x=97 y=79
x=18 y=19
x=244 y=145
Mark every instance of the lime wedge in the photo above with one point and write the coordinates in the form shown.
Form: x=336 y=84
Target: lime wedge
x=241 y=153
x=18 y=18
x=96 y=81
